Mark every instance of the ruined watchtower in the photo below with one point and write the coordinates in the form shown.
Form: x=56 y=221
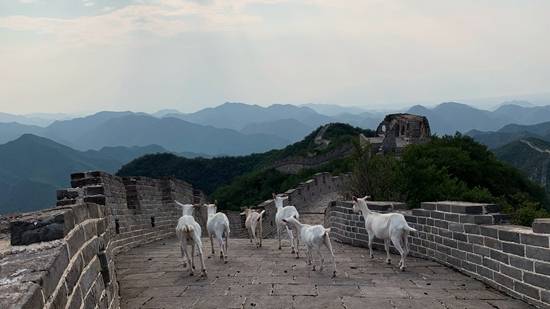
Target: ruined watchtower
x=399 y=130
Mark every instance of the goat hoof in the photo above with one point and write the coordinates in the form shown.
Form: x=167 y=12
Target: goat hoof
x=292 y=251
x=191 y=274
x=334 y=274
x=225 y=262
x=388 y=261
x=313 y=268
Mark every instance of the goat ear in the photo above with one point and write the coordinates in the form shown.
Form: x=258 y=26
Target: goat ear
x=367 y=197
x=274 y=195
x=354 y=198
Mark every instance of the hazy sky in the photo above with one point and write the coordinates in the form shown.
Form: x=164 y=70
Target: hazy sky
x=89 y=55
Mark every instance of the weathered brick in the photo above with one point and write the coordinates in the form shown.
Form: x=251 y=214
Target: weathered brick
x=476 y=219
x=476 y=239
x=535 y=240
x=484 y=272
x=450 y=243
x=437 y=215
x=474 y=258
x=521 y=262
x=55 y=271
x=511 y=272
x=465 y=246
x=508 y=236
x=492 y=243
x=542 y=268
x=460 y=236
x=481 y=250
x=488 y=231
x=504 y=280
x=513 y=248
x=466 y=209
x=471 y=228
x=537 y=253
x=458 y=254
x=75 y=240
x=492 y=264
x=526 y=289
x=499 y=256
x=445 y=233
x=537 y=280
x=541 y=226
x=452 y=217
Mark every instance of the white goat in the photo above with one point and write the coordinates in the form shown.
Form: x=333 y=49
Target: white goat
x=189 y=233
x=390 y=226
x=254 y=222
x=218 y=227
x=284 y=213
x=313 y=236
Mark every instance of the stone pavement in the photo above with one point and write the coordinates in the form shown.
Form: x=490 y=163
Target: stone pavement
x=151 y=276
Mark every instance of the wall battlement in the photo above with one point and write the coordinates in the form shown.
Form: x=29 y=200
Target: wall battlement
x=65 y=256
x=470 y=238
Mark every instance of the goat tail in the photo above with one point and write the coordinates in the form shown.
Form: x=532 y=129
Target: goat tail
x=261 y=215
x=327 y=231
x=407 y=228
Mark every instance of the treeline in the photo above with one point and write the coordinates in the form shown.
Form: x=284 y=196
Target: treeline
x=449 y=168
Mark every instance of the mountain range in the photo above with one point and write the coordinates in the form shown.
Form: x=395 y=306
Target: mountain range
x=530 y=155
x=33 y=167
x=510 y=133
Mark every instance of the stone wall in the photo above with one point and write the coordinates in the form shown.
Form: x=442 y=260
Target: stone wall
x=306 y=196
x=470 y=238
x=64 y=257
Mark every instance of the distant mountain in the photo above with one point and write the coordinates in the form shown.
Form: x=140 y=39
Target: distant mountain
x=450 y=117
x=237 y=115
x=13 y=130
x=447 y=118
x=531 y=156
x=511 y=133
x=33 y=167
x=175 y=135
x=38 y=119
x=291 y=129
x=333 y=109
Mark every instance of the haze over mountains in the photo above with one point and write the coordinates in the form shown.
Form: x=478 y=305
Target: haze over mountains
x=37 y=159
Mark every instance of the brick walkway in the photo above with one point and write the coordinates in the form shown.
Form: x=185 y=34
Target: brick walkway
x=151 y=276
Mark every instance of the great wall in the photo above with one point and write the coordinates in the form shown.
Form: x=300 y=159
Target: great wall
x=66 y=257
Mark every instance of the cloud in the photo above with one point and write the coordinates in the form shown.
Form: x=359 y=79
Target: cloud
x=162 y=18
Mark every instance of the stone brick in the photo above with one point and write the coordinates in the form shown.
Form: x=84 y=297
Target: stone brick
x=542 y=268
x=492 y=264
x=456 y=227
x=476 y=219
x=526 y=289
x=441 y=224
x=476 y=239
x=75 y=299
x=508 y=236
x=466 y=209
x=484 y=272
x=471 y=228
x=452 y=217
x=443 y=207
x=537 y=253
x=458 y=254
x=60 y=299
x=504 y=280
x=492 y=243
x=481 y=250
x=474 y=258
x=541 y=226
x=55 y=271
x=512 y=248
x=75 y=240
x=428 y=205
x=535 y=240
x=41 y=226
x=537 y=280
x=450 y=243
x=460 y=236
x=488 y=231
x=521 y=262
x=511 y=272
x=421 y=212
x=545 y=296
x=499 y=256
x=465 y=247
x=75 y=269
x=437 y=215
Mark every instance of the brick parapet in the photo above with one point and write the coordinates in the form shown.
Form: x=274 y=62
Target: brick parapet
x=469 y=238
x=64 y=257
